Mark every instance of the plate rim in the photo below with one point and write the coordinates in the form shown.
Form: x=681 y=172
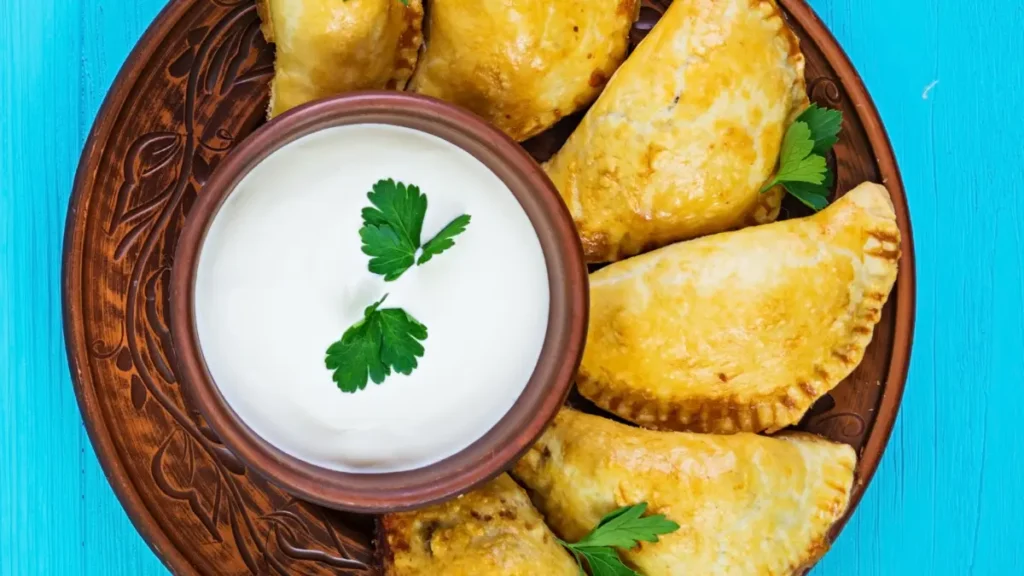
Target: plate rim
x=146 y=523
x=906 y=281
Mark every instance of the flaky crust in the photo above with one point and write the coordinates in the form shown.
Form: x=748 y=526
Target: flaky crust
x=492 y=531
x=747 y=505
x=742 y=331
x=327 y=47
x=523 y=65
x=686 y=132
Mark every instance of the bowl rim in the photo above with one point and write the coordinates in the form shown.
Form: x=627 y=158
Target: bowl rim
x=560 y=355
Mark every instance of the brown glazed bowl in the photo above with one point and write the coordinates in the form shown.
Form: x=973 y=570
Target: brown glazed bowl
x=549 y=384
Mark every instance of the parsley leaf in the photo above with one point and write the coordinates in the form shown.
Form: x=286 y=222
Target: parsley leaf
x=626 y=526
x=606 y=562
x=824 y=124
x=391 y=255
x=796 y=162
x=392 y=228
x=356 y=357
x=399 y=206
x=444 y=239
x=803 y=171
x=623 y=528
x=813 y=196
x=809 y=195
x=401 y=335
x=382 y=341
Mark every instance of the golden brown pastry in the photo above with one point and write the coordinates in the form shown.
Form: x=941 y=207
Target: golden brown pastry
x=741 y=331
x=523 y=65
x=746 y=505
x=492 y=531
x=326 y=47
x=687 y=131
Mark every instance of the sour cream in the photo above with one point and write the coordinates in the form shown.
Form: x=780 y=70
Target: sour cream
x=281 y=276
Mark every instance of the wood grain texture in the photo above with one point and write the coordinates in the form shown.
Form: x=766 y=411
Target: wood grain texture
x=949 y=494
x=59 y=515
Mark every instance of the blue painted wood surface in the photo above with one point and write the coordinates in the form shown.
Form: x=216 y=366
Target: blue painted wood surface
x=946 y=76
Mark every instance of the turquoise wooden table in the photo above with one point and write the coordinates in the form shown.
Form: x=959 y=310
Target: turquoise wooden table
x=946 y=76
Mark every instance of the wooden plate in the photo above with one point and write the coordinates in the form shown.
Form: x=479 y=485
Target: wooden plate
x=195 y=85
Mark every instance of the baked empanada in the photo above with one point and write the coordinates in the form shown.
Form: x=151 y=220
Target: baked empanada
x=687 y=131
x=523 y=65
x=326 y=47
x=746 y=505
x=741 y=331
x=491 y=531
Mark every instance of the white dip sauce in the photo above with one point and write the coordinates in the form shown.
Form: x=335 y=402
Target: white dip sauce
x=281 y=277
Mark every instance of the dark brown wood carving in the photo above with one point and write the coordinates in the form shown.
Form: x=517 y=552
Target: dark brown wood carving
x=195 y=86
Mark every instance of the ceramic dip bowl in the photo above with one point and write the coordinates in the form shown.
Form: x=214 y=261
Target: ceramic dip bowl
x=273 y=267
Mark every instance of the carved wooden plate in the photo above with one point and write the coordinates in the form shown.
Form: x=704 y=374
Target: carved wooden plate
x=195 y=85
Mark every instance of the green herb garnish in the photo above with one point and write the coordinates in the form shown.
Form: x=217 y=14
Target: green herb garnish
x=444 y=239
x=384 y=340
x=389 y=340
x=623 y=528
x=825 y=125
x=802 y=168
x=392 y=228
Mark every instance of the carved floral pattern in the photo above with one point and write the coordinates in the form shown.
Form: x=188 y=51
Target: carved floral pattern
x=217 y=69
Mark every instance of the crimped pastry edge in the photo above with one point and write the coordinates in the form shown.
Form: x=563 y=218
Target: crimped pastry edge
x=836 y=504
x=409 y=44
x=830 y=508
x=786 y=406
